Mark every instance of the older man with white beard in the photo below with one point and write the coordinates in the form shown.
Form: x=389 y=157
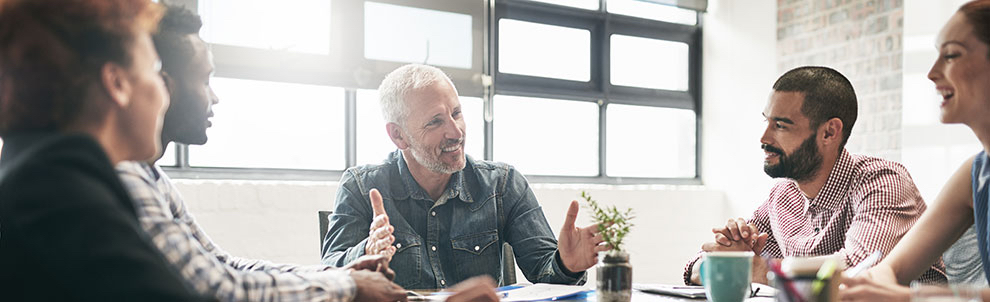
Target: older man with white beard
x=441 y=214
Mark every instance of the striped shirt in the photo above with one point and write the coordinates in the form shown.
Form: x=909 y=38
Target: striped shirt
x=207 y=268
x=867 y=204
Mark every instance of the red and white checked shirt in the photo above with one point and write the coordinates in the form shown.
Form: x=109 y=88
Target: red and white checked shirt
x=867 y=204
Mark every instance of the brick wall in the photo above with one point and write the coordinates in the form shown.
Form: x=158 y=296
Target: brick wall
x=863 y=40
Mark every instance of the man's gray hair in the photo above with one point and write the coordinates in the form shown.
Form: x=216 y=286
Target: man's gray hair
x=400 y=82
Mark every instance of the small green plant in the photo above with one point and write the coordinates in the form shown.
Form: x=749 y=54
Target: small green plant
x=612 y=224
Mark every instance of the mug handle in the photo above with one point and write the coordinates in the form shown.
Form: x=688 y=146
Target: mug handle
x=701 y=271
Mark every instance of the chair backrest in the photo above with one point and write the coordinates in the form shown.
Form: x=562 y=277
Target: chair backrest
x=508 y=265
x=324 y=228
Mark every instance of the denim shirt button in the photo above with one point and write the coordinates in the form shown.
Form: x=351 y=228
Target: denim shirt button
x=398 y=245
x=433 y=213
x=442 y=282
x=476 y=248
x=434 y=248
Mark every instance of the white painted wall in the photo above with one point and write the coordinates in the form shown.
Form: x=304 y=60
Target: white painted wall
x=740 y=40
x=278 y=220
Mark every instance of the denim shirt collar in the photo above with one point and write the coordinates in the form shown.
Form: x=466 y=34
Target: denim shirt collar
x=456 y=186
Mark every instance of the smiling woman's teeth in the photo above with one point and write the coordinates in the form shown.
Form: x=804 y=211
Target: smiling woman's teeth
x=945 y=93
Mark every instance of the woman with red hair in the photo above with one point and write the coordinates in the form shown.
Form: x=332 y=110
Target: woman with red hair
x=80 y=90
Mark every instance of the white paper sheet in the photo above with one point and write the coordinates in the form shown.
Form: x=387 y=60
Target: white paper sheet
x=539 y=292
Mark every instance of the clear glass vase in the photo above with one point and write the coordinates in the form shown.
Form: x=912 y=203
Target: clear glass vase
x=614 y=278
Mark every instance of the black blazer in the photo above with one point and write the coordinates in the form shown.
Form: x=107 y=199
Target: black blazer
x=68 y=229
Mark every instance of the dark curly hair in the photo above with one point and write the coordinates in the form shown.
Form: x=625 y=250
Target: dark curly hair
x=827 y=94
x=51 y=53
x=171 y=40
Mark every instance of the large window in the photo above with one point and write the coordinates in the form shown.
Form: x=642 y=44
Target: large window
x=565 y=90
x=274 y=125
x=596 y=90
x=286 y=25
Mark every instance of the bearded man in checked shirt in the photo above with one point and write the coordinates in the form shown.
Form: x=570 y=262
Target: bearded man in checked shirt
x=829 y=200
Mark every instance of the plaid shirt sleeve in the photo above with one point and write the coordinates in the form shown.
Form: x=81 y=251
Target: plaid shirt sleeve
x=176 y=238
x=761 y=219
x=889 y=208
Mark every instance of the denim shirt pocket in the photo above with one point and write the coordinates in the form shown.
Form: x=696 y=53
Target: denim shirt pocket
x=407 y=261
x=477 y=254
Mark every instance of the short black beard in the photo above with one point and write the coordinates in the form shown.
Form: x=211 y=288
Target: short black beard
x=801 y=165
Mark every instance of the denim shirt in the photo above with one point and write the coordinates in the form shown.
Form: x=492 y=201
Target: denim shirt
x=442 y=242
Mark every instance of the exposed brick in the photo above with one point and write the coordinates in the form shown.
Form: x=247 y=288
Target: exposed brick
x=838 y=17
x=877 y=25
x=863 y=39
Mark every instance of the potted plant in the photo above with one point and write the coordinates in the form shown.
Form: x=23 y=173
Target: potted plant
x=614 y=271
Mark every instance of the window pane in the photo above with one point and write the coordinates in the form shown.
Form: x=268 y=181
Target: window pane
x=373 y=144
x=290 y=25
x=649 y=63
x=544 y=50
x=434 y=37
x=585 y=4
x=655 y=11
x=668 y=152
x=168 y=157
x=545 y=136
x=274 y=125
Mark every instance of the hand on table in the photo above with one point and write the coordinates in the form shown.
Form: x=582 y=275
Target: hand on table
x=736 y=235
x=865 y=288
x=380 y=236
x=579 y=247
x=374 y=287
x=477 y=289
x=737 y=230
x=374 y=263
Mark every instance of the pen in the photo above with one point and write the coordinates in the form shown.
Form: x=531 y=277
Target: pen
x=753 y=293
x=863 y=265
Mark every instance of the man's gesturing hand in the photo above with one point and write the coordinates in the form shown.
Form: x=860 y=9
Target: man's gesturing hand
x=579 y=247
x=380 y=235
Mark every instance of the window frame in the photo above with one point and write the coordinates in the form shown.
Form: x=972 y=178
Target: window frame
x=599 y=89
x=346 y=67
